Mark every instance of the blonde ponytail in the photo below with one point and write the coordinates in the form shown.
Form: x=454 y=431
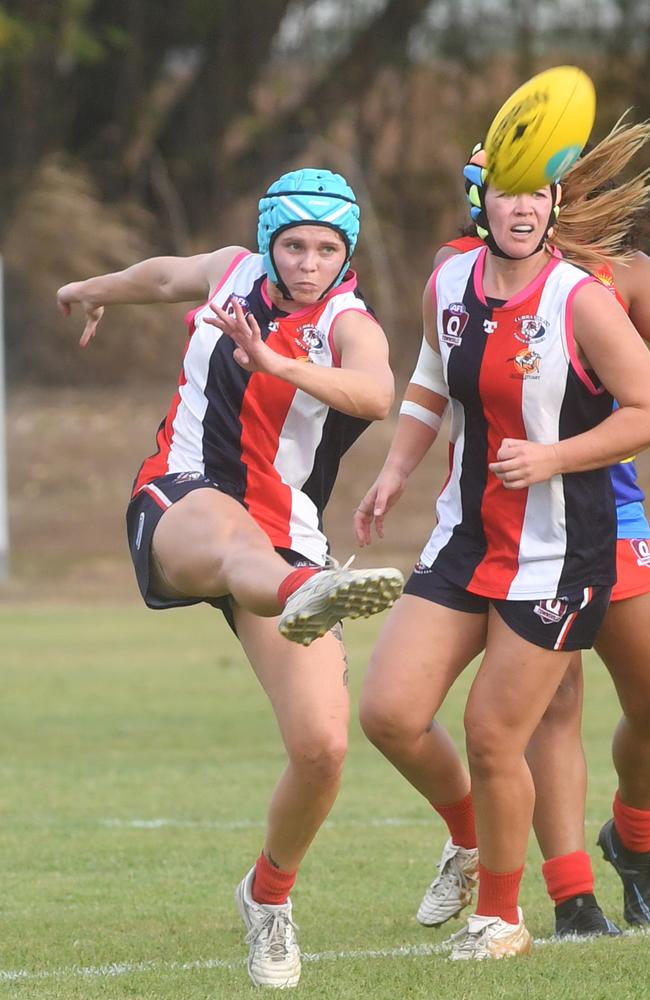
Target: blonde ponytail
x=598 y=215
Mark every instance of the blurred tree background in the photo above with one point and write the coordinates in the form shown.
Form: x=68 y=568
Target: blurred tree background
x=134 y=127
x=139 y=127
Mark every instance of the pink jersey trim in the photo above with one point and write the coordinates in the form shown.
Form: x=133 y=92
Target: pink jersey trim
x=237 y=259
x=434 y=281
x=336 y=357
x=526 y=292
x=479 y=269
x=571 y=343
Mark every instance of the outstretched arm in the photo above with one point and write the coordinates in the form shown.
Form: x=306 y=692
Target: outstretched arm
x=158 y=279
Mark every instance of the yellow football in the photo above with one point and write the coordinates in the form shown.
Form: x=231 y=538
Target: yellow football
x=540 y=131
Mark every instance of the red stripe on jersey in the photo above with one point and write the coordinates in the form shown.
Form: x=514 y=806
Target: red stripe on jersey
x=265 y=406
x=502 y=510
x=157 y=464
x=465 y=243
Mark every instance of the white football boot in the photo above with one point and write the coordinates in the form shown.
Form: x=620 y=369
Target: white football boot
x=451 y=891
x=274 y=955
x=336 y=593
x=490 y=937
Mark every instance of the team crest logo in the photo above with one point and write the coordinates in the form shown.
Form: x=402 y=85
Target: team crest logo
x=552 y=610
x=229 y=305
x=273 y=326
x=641 y=547
x=532 y=329
x=526 y=364
x=309 y=338
x=454 y=321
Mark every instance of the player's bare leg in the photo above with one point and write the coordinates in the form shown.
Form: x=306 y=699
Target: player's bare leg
x=207 y=545
x=500 y=719
x=557 y=763
x=556 y=759
x=432 y=645
x=309 y=693
x=623 y=645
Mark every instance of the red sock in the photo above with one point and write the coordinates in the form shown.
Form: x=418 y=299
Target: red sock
x=568 y=875
x=632 y=825
x=271 y=886
x=498 y=893
x=459 y=817
x=295 y=579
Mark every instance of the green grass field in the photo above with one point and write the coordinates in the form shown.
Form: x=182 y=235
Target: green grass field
x=137 y=757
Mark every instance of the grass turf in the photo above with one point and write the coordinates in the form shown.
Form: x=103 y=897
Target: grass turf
x=137 y=757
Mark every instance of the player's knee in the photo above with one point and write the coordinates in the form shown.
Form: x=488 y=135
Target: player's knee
x=564 y=708
x=319 y=757
x=637 y=714
x=381 y=723
x=488 y=745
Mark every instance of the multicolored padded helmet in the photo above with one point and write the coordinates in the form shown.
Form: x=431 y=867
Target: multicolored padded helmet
x=308 y=197
x=475 y=174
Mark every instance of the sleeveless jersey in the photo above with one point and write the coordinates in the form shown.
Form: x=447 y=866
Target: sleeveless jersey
x=630 y=514
x=513 y=371
x=273 y=446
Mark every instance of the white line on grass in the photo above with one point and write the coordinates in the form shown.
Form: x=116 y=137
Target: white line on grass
x=126 y=968
x=255 y=824
x=249 y=824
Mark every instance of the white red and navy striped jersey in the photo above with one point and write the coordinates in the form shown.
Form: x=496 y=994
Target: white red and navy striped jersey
x=268 y=443
x=513 y=371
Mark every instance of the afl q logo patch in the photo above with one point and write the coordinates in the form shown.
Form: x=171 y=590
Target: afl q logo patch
x=552 y=610
x=641 y=548
x=454 y=320
x=229 y=304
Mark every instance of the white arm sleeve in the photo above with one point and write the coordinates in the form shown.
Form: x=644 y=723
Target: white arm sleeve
x=428 y=371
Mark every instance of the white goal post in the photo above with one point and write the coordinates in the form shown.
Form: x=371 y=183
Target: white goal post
x=4 y=503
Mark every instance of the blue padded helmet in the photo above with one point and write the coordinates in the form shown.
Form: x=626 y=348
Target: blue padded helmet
x=308 y=197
